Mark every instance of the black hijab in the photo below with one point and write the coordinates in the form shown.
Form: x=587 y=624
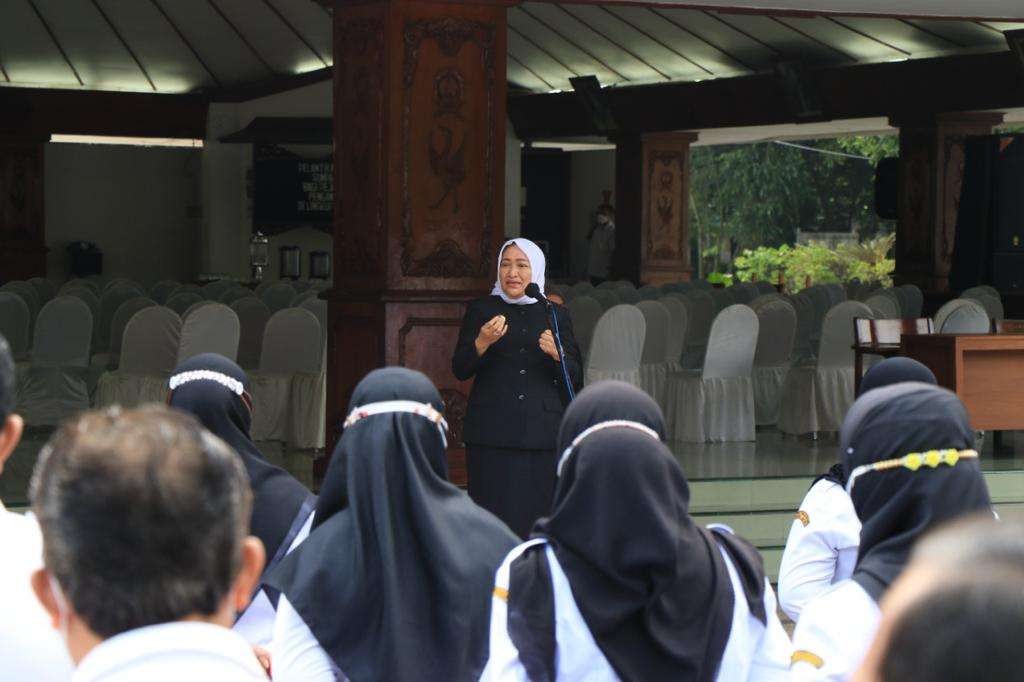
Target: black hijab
x=395 y=580
x=651 y=585
x=886 y=373
x=280 y=503
x=897 y=506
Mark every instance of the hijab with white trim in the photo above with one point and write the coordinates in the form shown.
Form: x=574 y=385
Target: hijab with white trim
x=211 y=387
x=395 y=579
x=896 y=506
x=537 y=265
x=651 y=584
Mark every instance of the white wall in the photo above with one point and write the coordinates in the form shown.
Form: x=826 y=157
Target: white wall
x=140 y=205
x=227 y=206
x=593 y=172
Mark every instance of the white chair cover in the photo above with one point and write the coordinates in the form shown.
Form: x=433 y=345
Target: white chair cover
x=235 y=293
x=703 y=284
x=679 y=319
x=194 y=307
x=723 y=298
x=125 y=312
x=765 y=287
x=318 y=307
x=718 y=404
x=149 y=354
x=253 y=315
x=27 y=292
x=607 y=298
x=72 y=283
x=301 y=285
x=915 y=298
x=628 y=295
x=992 y=304
x=968 y=318
x=187 y=289
x=701 y=313
x=582 y=288
x=980 y=289
x=162 y=290
x=946 y=310
x=278 y=296
x=584 y=311
x=624 y=284
x=263 y=286
x=649 y=293
x=54 y=386
x=617 y=346
x=181 y=302
x=14 y=323
x=776 y=319
x=822 y=303
x=883 y=307
x=212 y=291
x=87 y=296
x=45 y=289
x=213 y=328
x=836 y=293
x=118 y=282
x=816 y=399
x=300 y=298
x=743 y=292
x=289 y=390
x=652 y=359
x=806 y=314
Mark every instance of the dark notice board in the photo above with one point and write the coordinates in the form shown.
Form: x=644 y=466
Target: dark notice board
x=290 y=191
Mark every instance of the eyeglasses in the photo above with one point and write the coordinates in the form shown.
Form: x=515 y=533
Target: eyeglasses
x=914 y=461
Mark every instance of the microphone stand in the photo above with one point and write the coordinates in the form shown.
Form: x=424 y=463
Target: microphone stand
x=558 y=337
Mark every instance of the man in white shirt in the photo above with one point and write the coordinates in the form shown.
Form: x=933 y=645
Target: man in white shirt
x=144 y=516
x=29 y=648
x=602 y=244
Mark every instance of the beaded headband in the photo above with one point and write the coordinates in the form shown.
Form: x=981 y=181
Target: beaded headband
x=407 y=406
x=913 y=461
x=601 y=426
x=230 y=383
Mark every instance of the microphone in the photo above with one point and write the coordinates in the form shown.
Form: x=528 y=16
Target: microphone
x=533 y=291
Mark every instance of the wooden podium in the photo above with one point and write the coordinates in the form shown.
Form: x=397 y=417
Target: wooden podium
x=985 y=370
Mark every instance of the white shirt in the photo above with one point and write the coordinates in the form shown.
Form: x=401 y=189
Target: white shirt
x=602 y=244
x=821 y=549
x=172 y=652
x=256 y=623
x=753 y=652
x=296 y=655
x=834 y=634
x=30 y=648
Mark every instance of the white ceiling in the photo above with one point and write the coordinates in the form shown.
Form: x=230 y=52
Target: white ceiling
x=173 y=46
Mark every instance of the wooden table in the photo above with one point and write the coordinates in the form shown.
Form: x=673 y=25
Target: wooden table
x=882 y=337
x=985 y=370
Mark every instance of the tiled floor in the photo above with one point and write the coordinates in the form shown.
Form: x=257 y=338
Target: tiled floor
x=771 y=456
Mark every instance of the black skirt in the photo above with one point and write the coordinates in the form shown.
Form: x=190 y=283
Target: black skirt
x=515 y=485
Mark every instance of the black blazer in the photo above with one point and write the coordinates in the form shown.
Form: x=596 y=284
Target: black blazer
x=519 y=394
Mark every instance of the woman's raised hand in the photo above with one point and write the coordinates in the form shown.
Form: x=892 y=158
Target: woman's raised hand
x=492 y=330
x=547 y=344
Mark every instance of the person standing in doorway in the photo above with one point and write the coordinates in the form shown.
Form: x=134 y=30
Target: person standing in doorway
x=508 y=347
x=602 y=242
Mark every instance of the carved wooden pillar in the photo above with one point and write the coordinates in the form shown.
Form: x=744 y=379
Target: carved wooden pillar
x=22 y=222
x=930 y=176
x=652 y=180
x=419 y=115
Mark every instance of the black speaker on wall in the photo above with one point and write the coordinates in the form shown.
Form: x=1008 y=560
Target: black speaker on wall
x=887 y=173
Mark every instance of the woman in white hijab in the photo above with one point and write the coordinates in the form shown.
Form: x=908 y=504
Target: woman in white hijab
x=509 y=345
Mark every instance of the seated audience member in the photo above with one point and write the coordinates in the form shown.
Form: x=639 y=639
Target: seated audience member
x=822 y=546
x=144 y=516
x=619 y=583
x=394 y=581
x=975 y=546
x=215 y=390
x=29 y=648
x=909 y=469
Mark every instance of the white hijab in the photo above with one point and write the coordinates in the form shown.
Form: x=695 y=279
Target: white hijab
x=537 y=265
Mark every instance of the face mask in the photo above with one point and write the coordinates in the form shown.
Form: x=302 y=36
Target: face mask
x=602 y=219
x=62 y=606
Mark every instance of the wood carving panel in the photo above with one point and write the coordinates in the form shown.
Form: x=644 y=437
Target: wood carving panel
x=449 y=159
x=361 y=170
x=666 y=205
x=916 y=194
x=21 y=192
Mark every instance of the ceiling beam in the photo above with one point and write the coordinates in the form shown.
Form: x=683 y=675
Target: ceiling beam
x=56 y=43
x=40 y=111
x=241 y=36
x=905 y=89
x=706 y=41
x=864 y=34
x=659 y=41
x=614 y=43
x=124 y=44
x=571 y=41
x=291 y=27
x=188 y=44
x=819 y=41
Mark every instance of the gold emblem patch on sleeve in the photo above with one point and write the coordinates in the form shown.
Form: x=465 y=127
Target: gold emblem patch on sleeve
x=501 y=593
x=803 y=517
x=802 y=656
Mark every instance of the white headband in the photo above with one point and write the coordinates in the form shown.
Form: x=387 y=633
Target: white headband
x=233 y=385
x=408 y=406
x=601 y=426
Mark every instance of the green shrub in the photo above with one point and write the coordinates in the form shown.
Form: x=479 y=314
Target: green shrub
x=867 y=261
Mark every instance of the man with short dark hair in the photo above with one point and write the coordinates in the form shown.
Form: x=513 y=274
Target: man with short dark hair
x=146 y=550
x=29 y=648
